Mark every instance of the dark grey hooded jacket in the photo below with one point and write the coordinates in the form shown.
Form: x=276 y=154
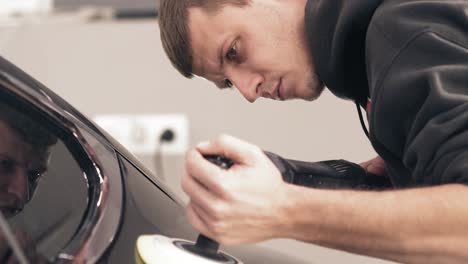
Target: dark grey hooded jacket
x=408 y=61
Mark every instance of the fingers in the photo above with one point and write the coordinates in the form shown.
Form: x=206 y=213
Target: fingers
x=7 y=255
x=233 y=148
x=196 y=221
x=205 y=173
x=203 y=211
x=377 y=169
x=368 y=163
x=375 y=166
x=198 y=194
x=365 y=164
x=216 y=229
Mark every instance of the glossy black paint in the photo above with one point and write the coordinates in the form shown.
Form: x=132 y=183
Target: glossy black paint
x=136 y=203
x=147 y=211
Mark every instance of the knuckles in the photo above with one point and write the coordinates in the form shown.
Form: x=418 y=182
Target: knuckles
x=218 y=210
x=190 y=158
x=224 y=190
x=192 y=218
x=218 y=228
x=257 y=151
x=185 y=183
x=223 y=140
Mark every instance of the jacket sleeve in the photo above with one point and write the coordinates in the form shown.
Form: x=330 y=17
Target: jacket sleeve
x=330 y=174
x=418 y=68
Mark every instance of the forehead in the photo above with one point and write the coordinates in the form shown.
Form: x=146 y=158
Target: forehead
x=13 y=145
x=10 y=140
x=207 y=33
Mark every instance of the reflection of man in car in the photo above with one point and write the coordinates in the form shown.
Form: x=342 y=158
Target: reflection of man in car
x=24 y=154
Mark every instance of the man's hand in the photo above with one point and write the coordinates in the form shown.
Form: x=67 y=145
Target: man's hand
x=244 y=204
x=375 y=166
x=7 y=255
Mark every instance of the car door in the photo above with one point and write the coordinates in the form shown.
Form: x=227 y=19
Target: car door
x=60 y=186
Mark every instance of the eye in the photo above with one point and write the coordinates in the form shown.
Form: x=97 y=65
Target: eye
x=34 y=175
x=231 y=55
x=6 y=166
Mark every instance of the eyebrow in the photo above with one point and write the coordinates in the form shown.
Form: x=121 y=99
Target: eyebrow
x=220 y=54
x=42 y=168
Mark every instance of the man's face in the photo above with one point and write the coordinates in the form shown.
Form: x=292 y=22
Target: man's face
x=260 y=48
x=20 y=166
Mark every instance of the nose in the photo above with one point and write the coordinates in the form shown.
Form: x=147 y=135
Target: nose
x=18 y=184
x=248 y=83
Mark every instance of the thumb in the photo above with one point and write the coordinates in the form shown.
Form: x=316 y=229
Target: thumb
x=377 y=169
x=375 y=166
x=235 y=149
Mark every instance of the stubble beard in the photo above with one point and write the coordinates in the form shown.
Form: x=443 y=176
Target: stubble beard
x=314 y=86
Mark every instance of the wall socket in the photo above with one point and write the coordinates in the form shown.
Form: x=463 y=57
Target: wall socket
x=141 y=134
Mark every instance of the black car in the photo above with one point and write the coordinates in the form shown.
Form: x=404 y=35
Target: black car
x=69 y=193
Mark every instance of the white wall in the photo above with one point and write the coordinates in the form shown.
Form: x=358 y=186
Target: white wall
x=120 y=67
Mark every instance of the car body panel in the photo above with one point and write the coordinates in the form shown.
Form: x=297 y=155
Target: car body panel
x=131 y=201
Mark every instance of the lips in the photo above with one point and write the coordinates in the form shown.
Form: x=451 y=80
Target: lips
x=9 y=204
x=276 y=93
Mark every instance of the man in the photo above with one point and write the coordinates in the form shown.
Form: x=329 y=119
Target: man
x=24 y=157
x=405 y=62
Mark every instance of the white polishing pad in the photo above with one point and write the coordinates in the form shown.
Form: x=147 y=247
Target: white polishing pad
x=157 y=249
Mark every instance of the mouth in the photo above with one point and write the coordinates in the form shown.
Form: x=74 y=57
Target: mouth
x=10 y=205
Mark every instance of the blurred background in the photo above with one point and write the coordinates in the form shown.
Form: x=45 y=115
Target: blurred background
x=106 y=59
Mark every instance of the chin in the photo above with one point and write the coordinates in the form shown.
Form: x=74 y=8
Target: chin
x=312 y=98
x=313 y=91
x=312 y=87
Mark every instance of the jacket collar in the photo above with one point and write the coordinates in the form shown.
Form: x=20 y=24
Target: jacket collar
x=336 y=33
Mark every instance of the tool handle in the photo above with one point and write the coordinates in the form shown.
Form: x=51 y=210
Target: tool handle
x=206 y=243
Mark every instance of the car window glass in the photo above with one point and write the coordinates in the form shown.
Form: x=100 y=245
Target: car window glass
x=43 y=191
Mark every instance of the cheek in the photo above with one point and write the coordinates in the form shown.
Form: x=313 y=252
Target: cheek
x=15 y=183
x=273 y=54
x=269 y=58
x=19 y=185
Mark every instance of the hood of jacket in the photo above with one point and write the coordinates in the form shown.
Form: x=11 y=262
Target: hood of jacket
x=336 y=33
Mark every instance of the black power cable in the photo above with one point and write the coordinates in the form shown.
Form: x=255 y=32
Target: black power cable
x=361 y=118
x=166 y=136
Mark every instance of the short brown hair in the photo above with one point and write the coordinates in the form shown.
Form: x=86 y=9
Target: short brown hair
x=28 y=130
x=173 y=24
